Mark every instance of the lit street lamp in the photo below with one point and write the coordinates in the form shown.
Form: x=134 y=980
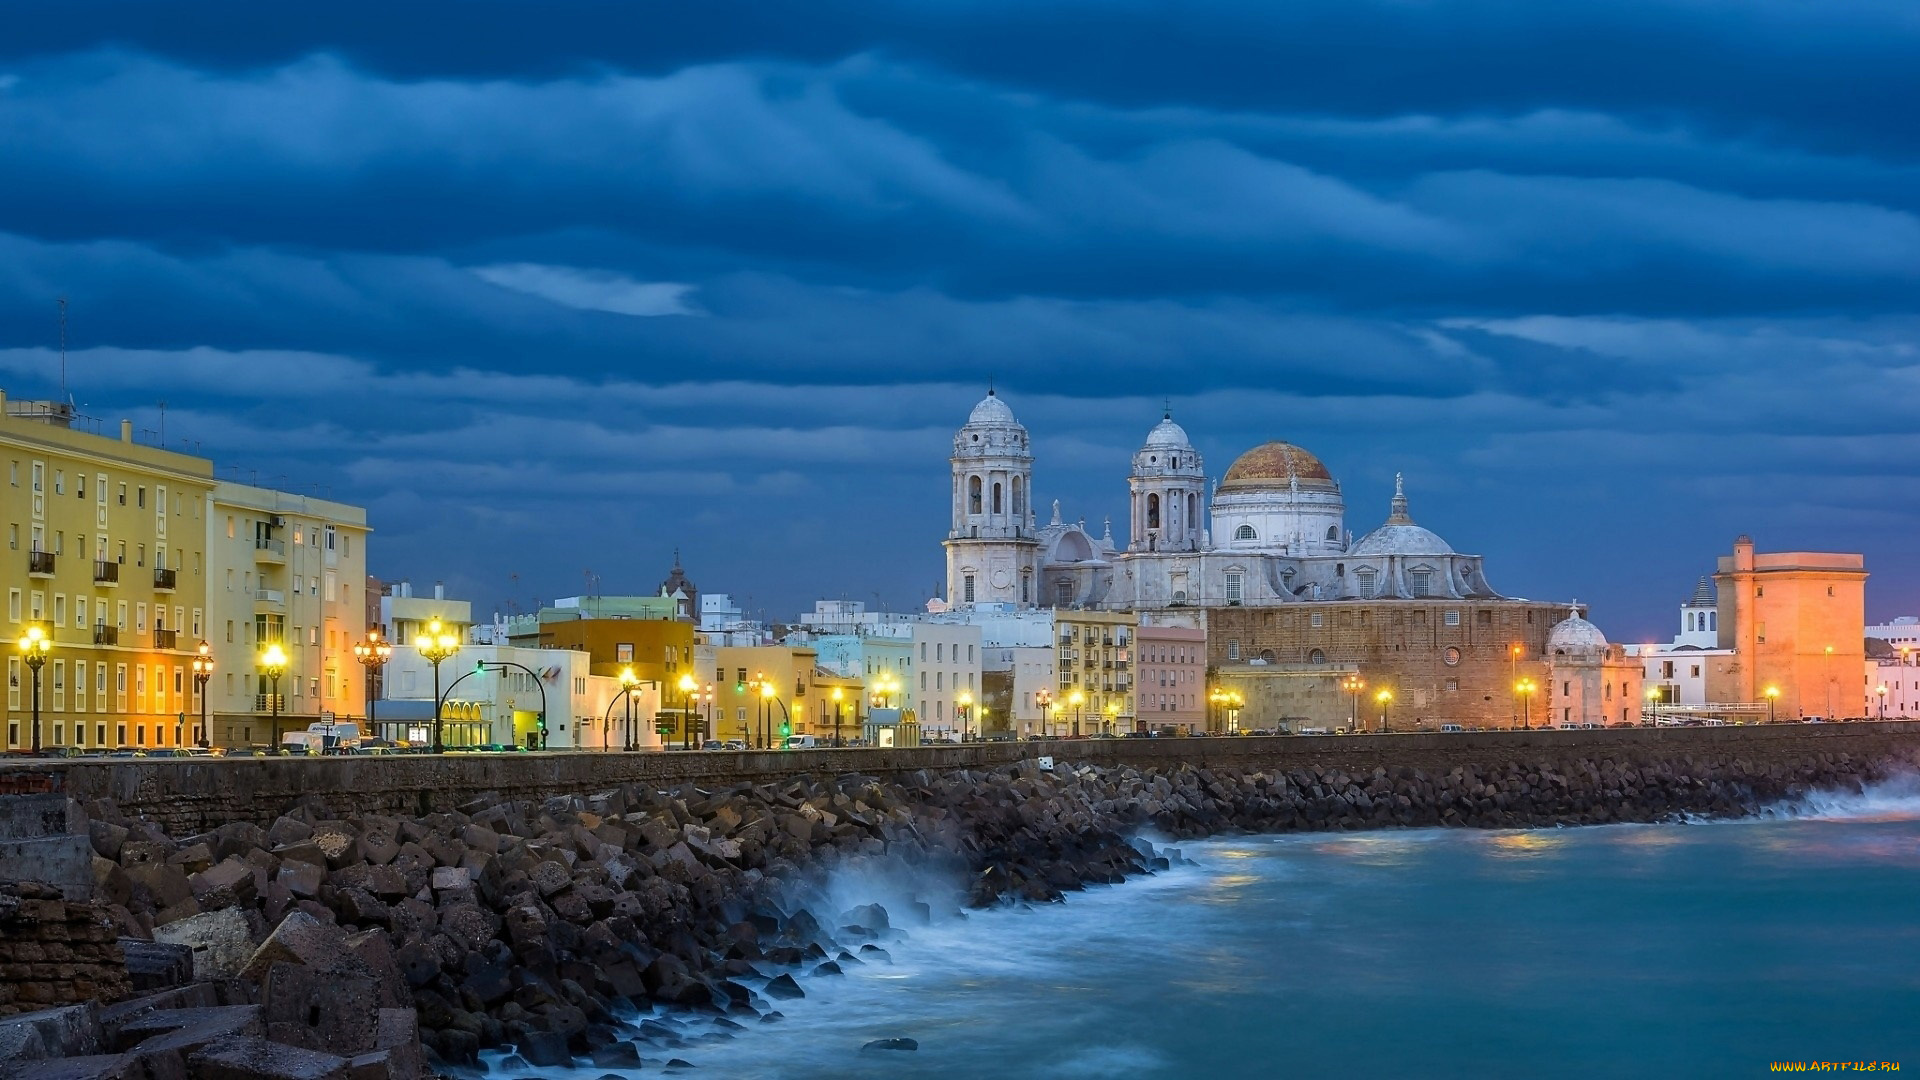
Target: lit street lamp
x=629 y=682
x=1882 y=691
x=34 y=645
x=373 y=654
x=273 y=664
x=1385 y=698
x=836 y=717
x=1653 y=703
x=687 y=686
x=1525 y=688
x=1076 y=699
x=766 y=714
x=437 y=646
x=1513 y=665
x=1113 y=715
x=963 y=711
x=202 y=673
x=1773 y=694
x=1353 y=684
x=1043 y=698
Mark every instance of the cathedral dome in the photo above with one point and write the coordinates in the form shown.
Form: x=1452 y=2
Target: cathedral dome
x=1277 y=466
x=1575 y=634
x=991 y=410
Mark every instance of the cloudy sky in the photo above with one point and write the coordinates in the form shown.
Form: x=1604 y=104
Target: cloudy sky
x=553 y=289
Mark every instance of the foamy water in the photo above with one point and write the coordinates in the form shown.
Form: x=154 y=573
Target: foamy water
x=1609 y=951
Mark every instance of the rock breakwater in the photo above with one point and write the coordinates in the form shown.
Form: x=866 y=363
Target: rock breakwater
x=624 y=926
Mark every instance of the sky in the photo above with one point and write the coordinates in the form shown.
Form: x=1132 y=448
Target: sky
x=553 y=290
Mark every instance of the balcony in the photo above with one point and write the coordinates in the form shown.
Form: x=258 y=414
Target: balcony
x=40 y=563
x=269 y=703
x=163 y=578
x=106 y=635
x=271 y=551
x=166 y=639
x=106 y=572
x=276 y=598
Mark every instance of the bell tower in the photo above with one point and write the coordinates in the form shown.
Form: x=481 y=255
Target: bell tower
x=992 y=552
x=1167 y=492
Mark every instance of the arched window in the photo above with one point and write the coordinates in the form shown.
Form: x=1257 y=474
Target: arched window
x=1713 y=620
x=1267 y=655
x=1689 y=622
x=1019 y=496
x=1333 y=532
x=973 y=495
x=1153 y=511
x=1192 y=511
x=1316 y=657
x=1244 y=532
x=996 y=497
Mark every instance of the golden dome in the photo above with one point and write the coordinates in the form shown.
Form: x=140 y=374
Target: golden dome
x=1275 y=465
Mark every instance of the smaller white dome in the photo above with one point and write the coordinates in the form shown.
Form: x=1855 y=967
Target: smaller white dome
x=1575 y=634
x=1400 y=540
x=991 y=410
x=1167 y=435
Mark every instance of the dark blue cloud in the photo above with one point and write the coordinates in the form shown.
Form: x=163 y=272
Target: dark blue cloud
x=591 y=280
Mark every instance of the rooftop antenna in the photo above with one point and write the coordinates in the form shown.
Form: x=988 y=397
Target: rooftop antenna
x=63 y=350
x=163 y=419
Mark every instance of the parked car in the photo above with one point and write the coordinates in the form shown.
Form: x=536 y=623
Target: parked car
x=1451 y=727
x=713 y=744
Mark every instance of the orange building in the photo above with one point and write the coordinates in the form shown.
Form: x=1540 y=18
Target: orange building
x=1796 y=621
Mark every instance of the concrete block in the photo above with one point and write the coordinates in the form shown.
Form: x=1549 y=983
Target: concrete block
x=245 y=1057
x=318 y=1009
x=372 y=952
x=224 y=885
x=196 y=996
x=156 y=965
x=219 y=939
x=299 y=939
x=303 y=879
x=64 y=861
x=186 y=1030
x=106 y=1067
x=71 y=1031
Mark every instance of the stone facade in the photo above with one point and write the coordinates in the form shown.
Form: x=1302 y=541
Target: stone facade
x=1796 y=621
x=1446 y=662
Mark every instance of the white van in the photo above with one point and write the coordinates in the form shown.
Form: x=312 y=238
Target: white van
x=1451 y=727
x=802 y=742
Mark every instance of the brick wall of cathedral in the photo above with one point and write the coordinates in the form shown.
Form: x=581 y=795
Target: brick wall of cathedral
x=1445 y=661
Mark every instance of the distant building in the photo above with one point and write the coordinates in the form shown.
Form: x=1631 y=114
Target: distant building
x=1891 y=688
x=1590 y=683
x=1093 y=659
x=1172 y=673
x=1677 y=672
x=681 y=590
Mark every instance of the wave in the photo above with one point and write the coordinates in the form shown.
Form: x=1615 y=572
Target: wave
x=1897 y=798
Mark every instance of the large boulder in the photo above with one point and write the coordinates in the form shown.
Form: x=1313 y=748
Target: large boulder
x=247 y=1057
x=220 y=940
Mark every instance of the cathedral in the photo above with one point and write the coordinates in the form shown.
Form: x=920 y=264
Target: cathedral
x=1271 y=532
x=1298 y=614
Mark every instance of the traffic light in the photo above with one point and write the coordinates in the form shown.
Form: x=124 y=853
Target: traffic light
x=739 y=688
x=786 y=728
x=480 y=667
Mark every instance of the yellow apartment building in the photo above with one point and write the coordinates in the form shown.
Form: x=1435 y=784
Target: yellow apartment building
x=105 y=553
x=1093 y=658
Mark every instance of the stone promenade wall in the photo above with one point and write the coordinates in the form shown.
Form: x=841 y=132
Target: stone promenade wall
x=192 y=795
x=53 y=952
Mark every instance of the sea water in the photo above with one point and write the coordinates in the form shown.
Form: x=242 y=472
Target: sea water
x=1676 y=950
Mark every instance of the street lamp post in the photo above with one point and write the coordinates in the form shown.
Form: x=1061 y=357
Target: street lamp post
x=373 y=654
x=1882 y=691
x=766 y=714
x=1829 y=684
x=1653 y=703
x=34 y=646
x=202 y=673
x=1076 y=699
x=1043 y=698
x=1525 y=688
x=1773 y=694
x=273 y=663
x=963 y=711
x=1353 y=684
x=836 y=717
x=437 y=646
x=629 y=682
x=687 y=686
x=1385 y=698
x=1513 y=667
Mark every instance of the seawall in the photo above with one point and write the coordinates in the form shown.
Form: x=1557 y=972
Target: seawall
x=192 y=795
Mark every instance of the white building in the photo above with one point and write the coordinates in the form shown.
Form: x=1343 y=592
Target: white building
x=289 y=570
x=1892 y=687
x=992 y=551
x=946 y=675
x=1902 y=633
x=1677 y=671
x=850 y=617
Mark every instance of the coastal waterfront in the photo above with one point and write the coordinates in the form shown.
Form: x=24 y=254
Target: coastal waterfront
x=1709 y=949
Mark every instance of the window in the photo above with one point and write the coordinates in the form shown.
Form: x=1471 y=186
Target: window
x=1316 y=657
x=1452 y=618
x=973 y=495
x=123 y=494
x=1063 y=593
x=1333 y=532
x=967 y=588
x=1420 y=582
x=1363 y=581
x=1244 y=532
x=996 y=497
x=1317 y=620
x=1450 y=657
x=1026 y=583
x=1233 y=586
x=1153 y=511
x=142 y=498
x=1233 y=650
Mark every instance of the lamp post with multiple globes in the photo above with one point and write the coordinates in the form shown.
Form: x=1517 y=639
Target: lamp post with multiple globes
x=1385 y=698
x=1773 y=695
x=688 y=685
x=963 y=711
x=34 y=645
x=373 y=654
x=437 y=645
x=202 y=673
x=1353 y=684
x=1043 y=698
x=1525 y=688
x=1882 y=691
x=1076 y=699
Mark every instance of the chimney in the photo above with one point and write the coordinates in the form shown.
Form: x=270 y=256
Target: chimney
x=439 y=590
x=126 y=431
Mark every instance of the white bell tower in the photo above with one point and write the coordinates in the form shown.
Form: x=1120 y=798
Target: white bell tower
x=1167 y=492
x=992 y=552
